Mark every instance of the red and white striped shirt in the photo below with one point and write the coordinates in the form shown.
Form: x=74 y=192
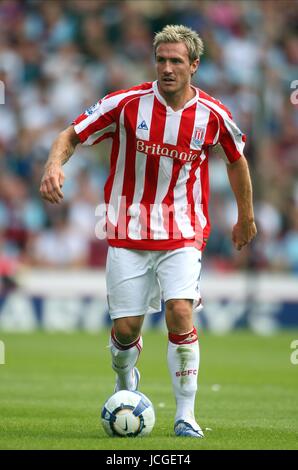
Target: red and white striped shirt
x=157 y=191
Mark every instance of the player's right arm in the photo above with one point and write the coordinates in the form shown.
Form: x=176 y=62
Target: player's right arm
x=95 y=124
x=53 y=177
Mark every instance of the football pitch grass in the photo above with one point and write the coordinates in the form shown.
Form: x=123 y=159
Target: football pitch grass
x=52 y=388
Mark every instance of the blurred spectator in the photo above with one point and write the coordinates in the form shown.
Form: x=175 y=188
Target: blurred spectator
x=58 y=58
x=60 y=245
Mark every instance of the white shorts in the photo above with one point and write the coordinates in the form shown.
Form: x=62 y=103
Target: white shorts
x=137 y=280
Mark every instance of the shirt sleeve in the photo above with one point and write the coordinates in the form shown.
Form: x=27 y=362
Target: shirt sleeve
x=97 y=123
x=230 y=137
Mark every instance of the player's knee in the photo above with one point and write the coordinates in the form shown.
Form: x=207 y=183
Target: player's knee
x=179 y=308
x=179 y=315
x=126 y=330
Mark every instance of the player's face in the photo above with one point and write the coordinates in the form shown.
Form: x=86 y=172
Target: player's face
x=173 y=67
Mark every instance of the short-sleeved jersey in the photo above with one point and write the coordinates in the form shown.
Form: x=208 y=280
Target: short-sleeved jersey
x=156 y=194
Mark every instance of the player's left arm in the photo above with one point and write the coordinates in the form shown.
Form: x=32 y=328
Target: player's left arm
x=245 y=228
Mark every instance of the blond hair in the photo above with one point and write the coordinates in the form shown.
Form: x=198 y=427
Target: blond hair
x=180 y=33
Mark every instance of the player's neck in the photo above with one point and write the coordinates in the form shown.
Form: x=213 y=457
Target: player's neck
x=178 y=100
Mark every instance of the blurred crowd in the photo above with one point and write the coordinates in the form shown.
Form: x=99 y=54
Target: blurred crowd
x=58 y=57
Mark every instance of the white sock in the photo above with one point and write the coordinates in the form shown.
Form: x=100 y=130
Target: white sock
x=183 y=362
x=124 y=358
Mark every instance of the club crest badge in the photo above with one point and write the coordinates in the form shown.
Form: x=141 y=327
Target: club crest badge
x=198 y=136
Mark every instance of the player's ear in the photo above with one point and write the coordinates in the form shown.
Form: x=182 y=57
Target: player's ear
x=194 y=66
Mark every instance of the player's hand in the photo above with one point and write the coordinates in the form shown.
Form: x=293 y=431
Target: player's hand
x=243 y=232
x=51 y=184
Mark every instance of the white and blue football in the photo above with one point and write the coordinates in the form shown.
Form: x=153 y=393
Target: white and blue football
x=128 y=414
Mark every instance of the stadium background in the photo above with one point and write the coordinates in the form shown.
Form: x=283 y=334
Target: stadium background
x=59 y=57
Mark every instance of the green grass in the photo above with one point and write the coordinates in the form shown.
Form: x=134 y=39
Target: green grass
x=53 y=386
